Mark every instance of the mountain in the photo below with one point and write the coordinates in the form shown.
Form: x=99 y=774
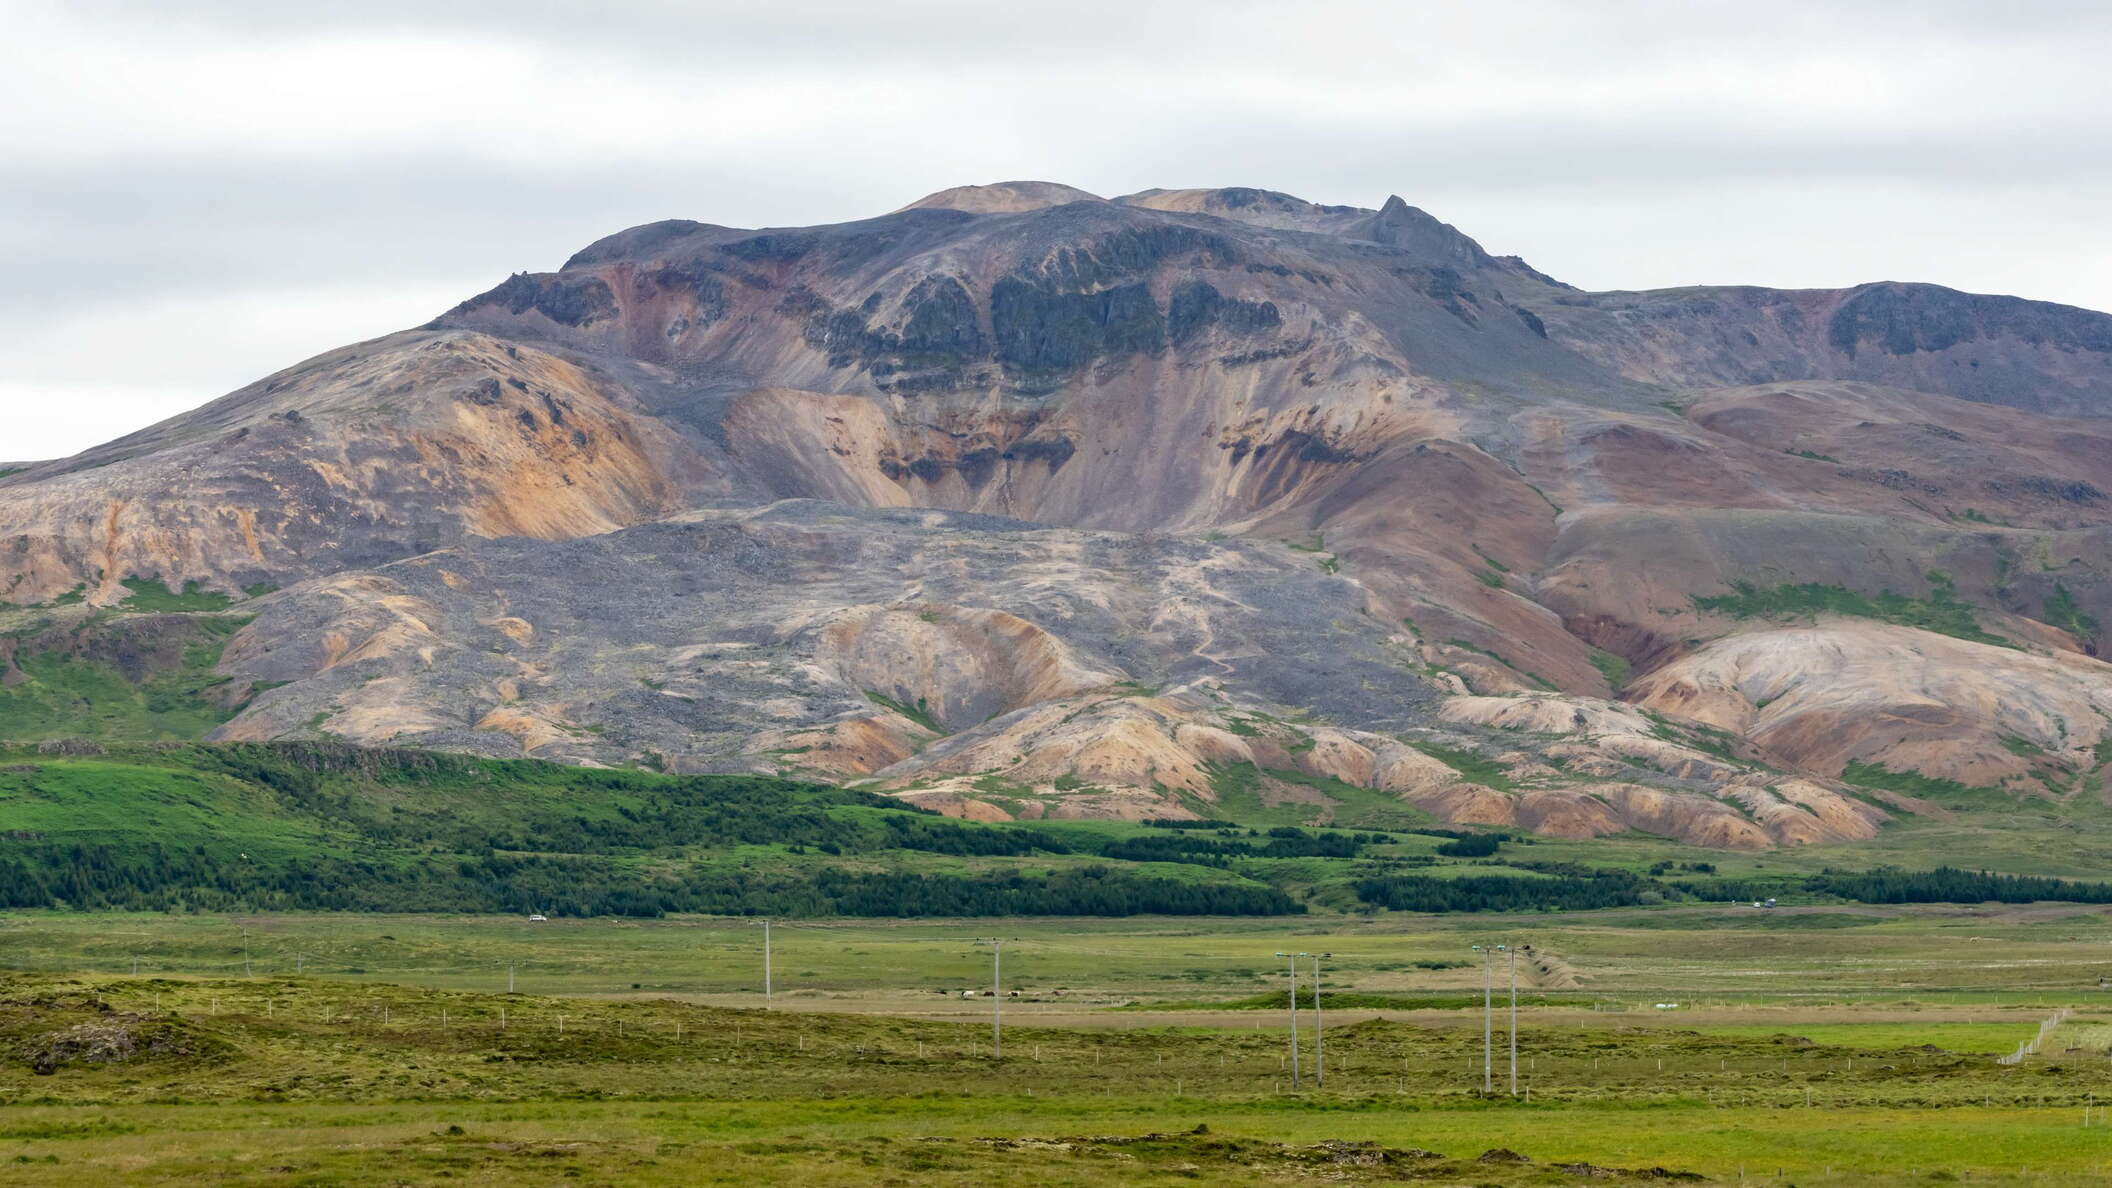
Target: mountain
x=1021 y=502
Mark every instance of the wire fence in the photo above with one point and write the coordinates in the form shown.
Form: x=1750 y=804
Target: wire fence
x=2031 y=1046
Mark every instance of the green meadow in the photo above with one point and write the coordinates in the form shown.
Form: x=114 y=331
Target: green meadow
x=270 y=1079
x=307 y=964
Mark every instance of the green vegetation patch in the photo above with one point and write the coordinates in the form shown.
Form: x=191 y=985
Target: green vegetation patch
x=327 y=827
x=66 y=696
x=1471 y=767
x=2062 y=611
x=920 y=713
x=1941 y=612
x=151 y=595
x=1612 y=667
x=1698 y=736
x=1247 y=794
x=1477 y=649
x=1914 y=783
x=2022 y=747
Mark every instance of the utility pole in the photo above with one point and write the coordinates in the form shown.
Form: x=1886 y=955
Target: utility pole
x=997 y=996
x=766 y=961
x=1513 y=951
x=1293 y=959
x=1319 y=1044
x=245 y=952
x=1488 y=1049
x=509 y=977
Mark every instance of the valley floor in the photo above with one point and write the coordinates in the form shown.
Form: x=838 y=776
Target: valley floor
x=1835 y=1047
x=1064 y=1141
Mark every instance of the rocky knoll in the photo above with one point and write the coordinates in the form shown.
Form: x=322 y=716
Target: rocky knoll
x=1022 y=501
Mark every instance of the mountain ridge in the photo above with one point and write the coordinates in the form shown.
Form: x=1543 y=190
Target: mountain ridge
x=941 y=458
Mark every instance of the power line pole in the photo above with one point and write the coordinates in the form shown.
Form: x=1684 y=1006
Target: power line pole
x=509 y=977
x=1319 y=1044
x=997 y=996
x=766 y=963
x=1293 y=959
x=1513 y=951
x=245 y=952
x=1488 y=1050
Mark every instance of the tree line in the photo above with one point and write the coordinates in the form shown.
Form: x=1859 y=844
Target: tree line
x=156 y=878
x=1567 y=887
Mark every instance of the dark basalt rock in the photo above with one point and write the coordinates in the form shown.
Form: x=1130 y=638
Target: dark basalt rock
x=1054 y=450
x=636 y=242
x=1197 y=306
x=940 y=338
x=1264 y=354
x=1132 y=252
x=1314 y=449
x=1446 y=287
x=977 y=465
x=2068 y=491
x=568 y=301
x=1042 y=331
x=1892 y=479
x=1532 y=320
x=775 y=248
x=708 y=289
x=942 y=323
x=1902 y=318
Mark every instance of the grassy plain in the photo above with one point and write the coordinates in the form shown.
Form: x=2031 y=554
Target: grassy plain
x=1822 y=1043
x=275 y=1080
x=2032 y=956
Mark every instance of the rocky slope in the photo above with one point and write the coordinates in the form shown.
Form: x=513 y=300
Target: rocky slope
x=1022 y=501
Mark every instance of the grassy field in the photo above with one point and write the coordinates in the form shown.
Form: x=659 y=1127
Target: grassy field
x=1042 y=1141
x=436 y=1034
x=301 y=1080
x=2027 y=956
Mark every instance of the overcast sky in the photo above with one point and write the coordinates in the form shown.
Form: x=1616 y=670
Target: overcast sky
x=195 y=194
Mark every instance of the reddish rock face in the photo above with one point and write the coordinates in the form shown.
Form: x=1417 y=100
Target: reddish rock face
x=1021 y=501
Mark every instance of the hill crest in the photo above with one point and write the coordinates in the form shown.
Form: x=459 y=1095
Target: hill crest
x=1019 y=501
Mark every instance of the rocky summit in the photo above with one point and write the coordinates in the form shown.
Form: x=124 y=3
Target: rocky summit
x=1022 y=502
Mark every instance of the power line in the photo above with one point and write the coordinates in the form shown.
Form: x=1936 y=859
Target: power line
x=1319 y=1029
x=997 y=996
x=766 y=963
x=1488 y=1048
x=1513 y=951
x=1293 y=959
